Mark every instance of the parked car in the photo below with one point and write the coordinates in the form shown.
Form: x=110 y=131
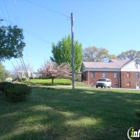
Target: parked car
x=103 y=83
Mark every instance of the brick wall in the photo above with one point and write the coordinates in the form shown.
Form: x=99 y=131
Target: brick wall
x=98 y=75
x=129 y=80
x=123 y=79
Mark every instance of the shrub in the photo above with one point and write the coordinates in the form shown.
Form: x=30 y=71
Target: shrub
x=138 y=114
x=3 y=85
x=31 y=78
x=78 y=77
x=23 y=79
x=17 y=92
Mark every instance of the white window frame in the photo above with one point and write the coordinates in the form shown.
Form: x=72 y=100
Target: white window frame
x=137 y=75
x=104 y=75
x=92 y=74
x=115 y=74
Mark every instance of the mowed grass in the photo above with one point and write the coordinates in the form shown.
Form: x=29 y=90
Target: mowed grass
x=65 y=114
x=57 y=81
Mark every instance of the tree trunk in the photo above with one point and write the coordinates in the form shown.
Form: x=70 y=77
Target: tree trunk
x=52 y=81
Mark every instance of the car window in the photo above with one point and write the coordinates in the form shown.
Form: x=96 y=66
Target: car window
x=102 y=80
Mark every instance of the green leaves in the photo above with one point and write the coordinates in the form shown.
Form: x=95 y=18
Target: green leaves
x=11 y=42
x=62 y=52
x=2 y=72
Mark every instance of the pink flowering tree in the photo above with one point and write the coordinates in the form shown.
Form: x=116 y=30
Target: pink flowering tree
x=52 y=70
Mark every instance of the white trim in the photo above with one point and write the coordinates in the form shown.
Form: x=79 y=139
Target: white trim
x=131 y=70
x=115 y=74
x=137 y=85
x=100 y=69
x=104 y=76
x=129 y=62
x=91 y=75
x=130 y=66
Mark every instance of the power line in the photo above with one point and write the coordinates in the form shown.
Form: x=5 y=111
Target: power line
x=27 y=31
x=48 y=9
x=38 y=37
x=7 y=11
x=16 y=71
x=23 y=64
x=16 y=15
x=3 y=12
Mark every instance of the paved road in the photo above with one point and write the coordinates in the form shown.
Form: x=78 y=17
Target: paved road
x=86 y=87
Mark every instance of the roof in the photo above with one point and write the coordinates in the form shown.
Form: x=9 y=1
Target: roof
x=114 y=63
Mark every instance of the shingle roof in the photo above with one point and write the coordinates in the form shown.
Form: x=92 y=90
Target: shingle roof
x=113 y=64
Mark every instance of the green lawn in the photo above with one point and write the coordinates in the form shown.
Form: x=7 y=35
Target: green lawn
x=57 y=81
x=65 y=114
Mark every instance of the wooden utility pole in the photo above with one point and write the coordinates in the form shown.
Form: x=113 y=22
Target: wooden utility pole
x=72 y=50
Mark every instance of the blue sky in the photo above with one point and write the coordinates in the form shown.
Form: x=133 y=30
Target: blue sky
x=111 y=24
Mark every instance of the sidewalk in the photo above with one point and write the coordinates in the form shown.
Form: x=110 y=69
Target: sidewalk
x=87 y=87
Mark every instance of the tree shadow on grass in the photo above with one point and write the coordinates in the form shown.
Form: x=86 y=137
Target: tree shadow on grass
x=65 y=114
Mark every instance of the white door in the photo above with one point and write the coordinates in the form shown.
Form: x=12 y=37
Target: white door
x=137 y=85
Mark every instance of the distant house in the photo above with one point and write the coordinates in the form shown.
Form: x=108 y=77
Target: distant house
x=123 y=73
x=24 y=74
x=9 y=79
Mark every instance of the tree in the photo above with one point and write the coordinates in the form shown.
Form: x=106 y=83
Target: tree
x=96 y=54
x=52 y=70
x=8 y=74
x=11 y=42
x=3 y=72
x=112 y=56
x=62 y=53
x=131 y=54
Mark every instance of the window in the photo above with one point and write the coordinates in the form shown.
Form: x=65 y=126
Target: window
x=115 y=74
x=104 y=74
x=128 y=84
x=115 y=84
x=128 y=74
x=137 y=75
x=92 y=74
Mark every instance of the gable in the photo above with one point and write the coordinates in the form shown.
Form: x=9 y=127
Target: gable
x=113 y=65
x=133 y=65
x=83 y=68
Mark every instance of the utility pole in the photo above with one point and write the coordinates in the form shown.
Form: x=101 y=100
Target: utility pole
x=72 y=50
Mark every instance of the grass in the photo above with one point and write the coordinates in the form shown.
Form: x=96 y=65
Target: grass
x=57 y=81
x=81 y=84
x=65 y=114
x=49 y=81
